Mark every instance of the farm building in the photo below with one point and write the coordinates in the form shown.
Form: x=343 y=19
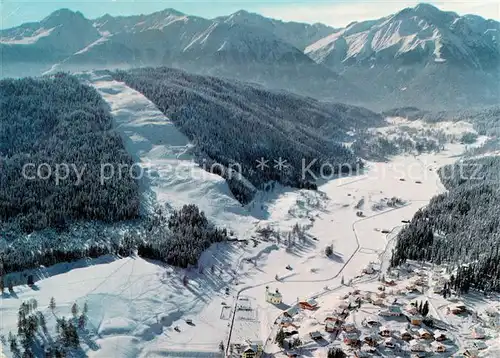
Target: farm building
x=416 y=320
x=390 y=283
x=439 y=336
x=349 y=327
x=417 y=346
x=438 y=347
x=405 y=335
x=343 y=305
x=285 y=321
x=290 y=331
x=369 y=348
x=309 y=304
x=411 y=287
x=390 y=342
x=368 y=269
x=339 y=311
x=424 y=334
x=457 y=308
x=333 y=318
x=291 y=312
x=391 y=311
x=471 y=353
x=372 y=321
x=478 y=333
x=273 y=297
x=491 y=311
x=371 y=340
x=419 y=281
x=437 y=289
x=330 y=326
x=479 y=345
x=251 y=349
x=350 y=338
x=411 y=309
x=316 y=335
x=384 y=331
x=367 y=296
x=421 y=273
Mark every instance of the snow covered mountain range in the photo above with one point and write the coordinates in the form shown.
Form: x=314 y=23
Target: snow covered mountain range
x=419 y=56
x=413 y=35
x=445 y=59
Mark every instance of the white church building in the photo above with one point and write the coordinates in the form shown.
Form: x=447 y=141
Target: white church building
x=273 y=297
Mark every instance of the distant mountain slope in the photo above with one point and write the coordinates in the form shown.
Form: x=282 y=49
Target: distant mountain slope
x=34 y=47
x=422 y=34
x=418 y=56
x=230 y=47
x=460 y=228
x=297 y=34
x=233 y=123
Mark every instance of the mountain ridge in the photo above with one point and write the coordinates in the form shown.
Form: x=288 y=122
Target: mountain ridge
x=419 y=56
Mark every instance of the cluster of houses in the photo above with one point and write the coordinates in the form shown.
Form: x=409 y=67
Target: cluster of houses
x=415 y=336
x=418 y=343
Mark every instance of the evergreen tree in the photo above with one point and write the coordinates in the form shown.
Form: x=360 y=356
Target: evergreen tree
x=74 y=310
x=280 y=338
x=329 y=250
x=13 y=345
x=82 y=321
x=72 y=338
x=425 y=309
x=52 y=304
x=41 y=321
x=336 y=353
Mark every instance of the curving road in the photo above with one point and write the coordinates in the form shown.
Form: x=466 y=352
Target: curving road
x=323 y=292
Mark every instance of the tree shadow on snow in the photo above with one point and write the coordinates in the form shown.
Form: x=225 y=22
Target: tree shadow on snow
x=336 y=257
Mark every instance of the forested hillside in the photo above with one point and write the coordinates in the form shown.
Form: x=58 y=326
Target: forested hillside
x=56 y=125
x=232 y=122
x=461 y=227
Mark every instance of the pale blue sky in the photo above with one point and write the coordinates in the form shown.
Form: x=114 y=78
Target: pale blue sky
x=333 y=12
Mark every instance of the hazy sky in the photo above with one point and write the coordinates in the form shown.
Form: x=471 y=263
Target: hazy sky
x=333 y=12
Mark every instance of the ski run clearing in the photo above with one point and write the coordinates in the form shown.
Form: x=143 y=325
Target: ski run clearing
x=140 y=308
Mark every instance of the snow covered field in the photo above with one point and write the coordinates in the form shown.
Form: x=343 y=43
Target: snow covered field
x=135 y=305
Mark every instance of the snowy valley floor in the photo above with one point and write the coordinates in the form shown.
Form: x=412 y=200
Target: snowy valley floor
x=135 y=304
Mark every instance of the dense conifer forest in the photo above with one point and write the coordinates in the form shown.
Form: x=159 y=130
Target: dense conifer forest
x=181 y=238
x=56 y=120
x=56 y=124
x=232 y=122
x=177 y=237
x=460 y=228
